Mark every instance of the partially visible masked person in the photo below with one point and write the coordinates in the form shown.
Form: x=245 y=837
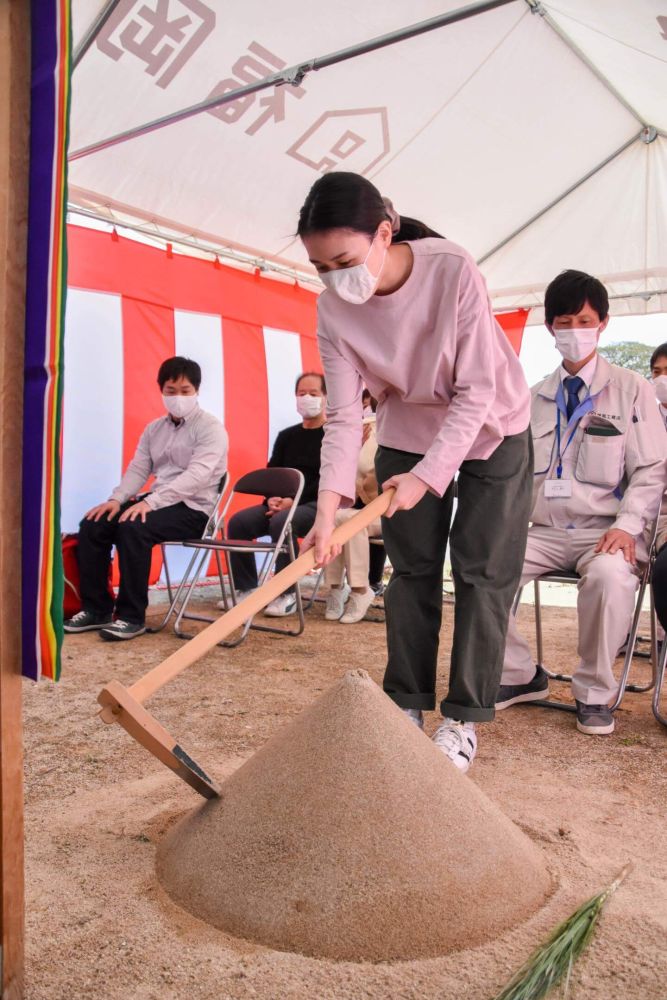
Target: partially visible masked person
x=659 y=577
x=296 y=447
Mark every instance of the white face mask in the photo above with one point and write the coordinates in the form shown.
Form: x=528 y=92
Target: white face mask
x=179 y=406
x=368 y=412
x=576 y=343
x=354 y=284
x=660 y=386
x=309 y=406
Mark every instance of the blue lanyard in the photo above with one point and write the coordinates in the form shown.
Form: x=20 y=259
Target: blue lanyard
x=573 y=422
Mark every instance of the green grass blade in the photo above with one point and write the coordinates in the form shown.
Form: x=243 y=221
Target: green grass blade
x=553 y=961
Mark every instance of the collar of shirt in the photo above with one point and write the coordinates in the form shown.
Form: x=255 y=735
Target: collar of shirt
x=587 y=373
x=663 y=411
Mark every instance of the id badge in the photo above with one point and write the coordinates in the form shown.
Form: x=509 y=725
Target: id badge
x=561 y=488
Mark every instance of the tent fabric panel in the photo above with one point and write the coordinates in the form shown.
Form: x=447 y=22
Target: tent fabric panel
x=626 y=41
x=608 y=227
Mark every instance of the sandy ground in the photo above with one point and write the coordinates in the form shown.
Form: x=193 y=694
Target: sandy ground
x=99 y=925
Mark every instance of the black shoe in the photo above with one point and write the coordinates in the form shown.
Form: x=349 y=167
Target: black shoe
x=86 y=621
x=514 y=694
x=594 y=720
x=119 y=629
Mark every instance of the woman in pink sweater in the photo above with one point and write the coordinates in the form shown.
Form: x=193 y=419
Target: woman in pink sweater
x=407 y=314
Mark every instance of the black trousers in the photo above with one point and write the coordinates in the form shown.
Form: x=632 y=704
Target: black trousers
x=488 y=543
x=659 y=584
x=254 y=522
x=134 y=542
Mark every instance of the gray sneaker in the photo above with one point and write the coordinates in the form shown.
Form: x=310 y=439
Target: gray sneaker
x=594 y=720
x=120 y=629
x=86 y=621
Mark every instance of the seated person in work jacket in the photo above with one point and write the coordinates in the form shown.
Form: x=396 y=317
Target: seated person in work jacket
x=186 y=451
x=296 y=447
x=659 y=577
x=599 y=476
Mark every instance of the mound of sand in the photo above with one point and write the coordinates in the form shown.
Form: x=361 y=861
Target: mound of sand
x=350 y=836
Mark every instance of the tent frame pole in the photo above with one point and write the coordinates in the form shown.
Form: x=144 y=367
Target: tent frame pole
x=295 y=74
x=561 y=197
x=93 y=32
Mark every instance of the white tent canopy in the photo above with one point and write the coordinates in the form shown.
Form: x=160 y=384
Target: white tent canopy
x=534 y=134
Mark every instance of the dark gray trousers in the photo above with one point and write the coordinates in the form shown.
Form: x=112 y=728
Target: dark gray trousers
x=487 y=546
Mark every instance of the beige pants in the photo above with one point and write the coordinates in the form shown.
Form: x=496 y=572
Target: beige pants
x=605 y=604
x=354 y=559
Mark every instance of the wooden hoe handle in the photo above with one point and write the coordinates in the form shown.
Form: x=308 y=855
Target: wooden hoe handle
x=209 y=637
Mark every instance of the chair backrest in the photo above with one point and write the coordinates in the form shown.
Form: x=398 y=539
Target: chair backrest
x=211 y=525
x=274 y=482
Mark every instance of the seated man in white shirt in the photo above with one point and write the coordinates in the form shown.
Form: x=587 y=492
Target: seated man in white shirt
x=599 y=476
x=186 y=451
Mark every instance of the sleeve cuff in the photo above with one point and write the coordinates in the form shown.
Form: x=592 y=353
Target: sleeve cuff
x=631 y=523
x=437 y=485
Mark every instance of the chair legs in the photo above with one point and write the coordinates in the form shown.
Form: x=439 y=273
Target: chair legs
x=623 y=685
x=173 y=597
x=264 y=573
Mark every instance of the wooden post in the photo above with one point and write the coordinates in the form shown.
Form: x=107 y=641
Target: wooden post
x=14 y=139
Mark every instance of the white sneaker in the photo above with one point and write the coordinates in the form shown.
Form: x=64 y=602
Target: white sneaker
x=357 y=606
x=458 y=741
x=283 y=605
x=415 y=715
x=240 y=596
x=336 y=602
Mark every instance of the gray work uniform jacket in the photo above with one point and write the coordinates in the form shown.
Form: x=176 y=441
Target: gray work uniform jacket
x=615 y=459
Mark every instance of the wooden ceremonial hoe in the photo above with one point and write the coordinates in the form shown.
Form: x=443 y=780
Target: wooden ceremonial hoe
x=125 y=705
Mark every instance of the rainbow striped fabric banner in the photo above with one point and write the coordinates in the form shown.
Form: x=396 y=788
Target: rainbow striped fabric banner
x=42 y=586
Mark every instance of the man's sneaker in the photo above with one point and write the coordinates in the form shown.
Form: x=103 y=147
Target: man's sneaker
x=283 y=605
x=86 y=621
x=122 y=630
x=240 y=596
x=514 y=694
x=357 y=606
x=594 y=720
x=415 y=715
x=458 y=741
x=336 y=602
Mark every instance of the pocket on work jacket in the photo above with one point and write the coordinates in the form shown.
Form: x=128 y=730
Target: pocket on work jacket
x=544 y=438
x=601 y=457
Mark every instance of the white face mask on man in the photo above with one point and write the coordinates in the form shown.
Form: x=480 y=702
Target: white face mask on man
x=576 y=343
x=180 y=406
x=660 y=387
x=354 y=284
x=309 y=406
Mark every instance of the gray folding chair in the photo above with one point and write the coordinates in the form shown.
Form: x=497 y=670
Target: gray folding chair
x=566 y=576
x=210 y=530
x=272 y=482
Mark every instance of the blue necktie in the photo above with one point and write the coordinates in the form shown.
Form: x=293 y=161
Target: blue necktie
x=573 y=384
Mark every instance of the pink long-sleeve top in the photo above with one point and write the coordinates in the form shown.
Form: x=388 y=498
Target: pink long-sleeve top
x=449 y=385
